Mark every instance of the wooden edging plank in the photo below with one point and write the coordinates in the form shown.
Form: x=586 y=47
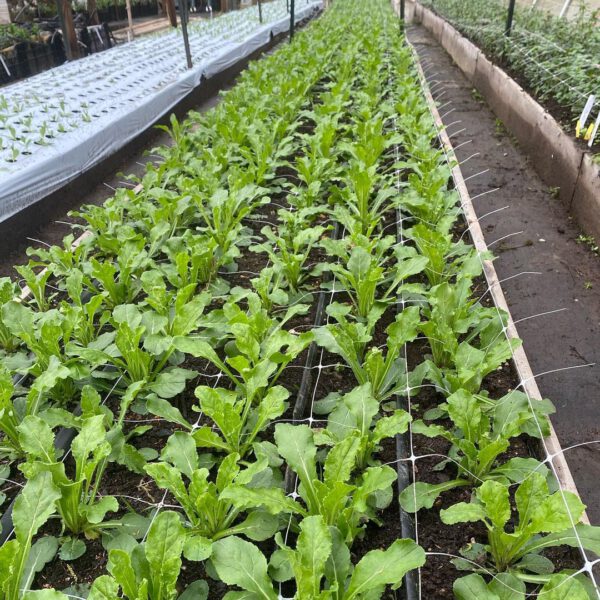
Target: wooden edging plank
x=528 y=382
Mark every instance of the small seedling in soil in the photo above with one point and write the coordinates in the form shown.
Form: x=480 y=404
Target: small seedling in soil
x=499 y=128
x=588 y=285
x=589 y=241
x=554 y=192
x=476 y=95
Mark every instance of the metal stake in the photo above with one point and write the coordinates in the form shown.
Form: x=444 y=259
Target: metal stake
x=509 y=17
x=184 y=30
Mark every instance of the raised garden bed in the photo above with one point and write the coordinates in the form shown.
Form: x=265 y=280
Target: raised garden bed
x=240 y=334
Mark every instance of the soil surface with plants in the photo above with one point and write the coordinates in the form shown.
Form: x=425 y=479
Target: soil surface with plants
x=545 y=264
x=213 y=394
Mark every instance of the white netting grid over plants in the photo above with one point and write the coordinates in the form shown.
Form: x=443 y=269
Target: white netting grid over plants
x=588 y=565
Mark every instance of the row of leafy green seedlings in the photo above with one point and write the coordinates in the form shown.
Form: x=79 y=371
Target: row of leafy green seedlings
x=556 y=56
x=144 y=341
x=362 y=298
x=516 y=499
x=157 y=518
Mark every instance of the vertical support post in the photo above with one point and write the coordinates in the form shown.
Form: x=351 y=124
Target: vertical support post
x=4 y=12
x=171 y=12
x=292 y=19
x=402 y=10
x=564 y=9
x=130 y=34
x=509 y=17
x=260 y=11
x=65 y=14
x=183 y=8
x=92 y=10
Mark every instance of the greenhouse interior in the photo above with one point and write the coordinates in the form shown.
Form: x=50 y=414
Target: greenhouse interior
x=299 y=299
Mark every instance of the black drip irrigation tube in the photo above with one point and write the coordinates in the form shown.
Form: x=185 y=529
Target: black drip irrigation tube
x=410 y=587
x=62 y=442
x=306 y=383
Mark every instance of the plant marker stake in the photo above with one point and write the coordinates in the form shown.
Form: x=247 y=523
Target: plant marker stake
x=65 y=15
x=5 y=66
x=594 y=131
x=184 y=30
x=292 y=15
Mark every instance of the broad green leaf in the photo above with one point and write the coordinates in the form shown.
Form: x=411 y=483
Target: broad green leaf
x=91 y=435
x=163 y=549
x=198 y=590
x=34 y=505
x=241 y=563
x=379 y=568
x=423 y=495
x=472 y=587
x=564 y=587
x=587 y=536
x=341 y=460
x=197 y=548
x=180 y=450
x=258 y=526
x=172 y=382
x=41 y=553
x=388 y=427
x=296 y=445
x=273 y=500
x=507 y=587
x=96 y=511
x=72 y=548
x=120 y=567
x=36 y=438
x=312 y=551
x=463 y=512
x=494 y=496
x=104 y=588
x=164 y=409
x=557 y=512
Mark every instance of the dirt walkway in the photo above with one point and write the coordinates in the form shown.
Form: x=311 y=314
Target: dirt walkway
x=534 y=234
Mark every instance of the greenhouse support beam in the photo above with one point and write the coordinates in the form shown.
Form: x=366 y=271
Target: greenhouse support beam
x=171 y=12
x=509 y=17
x=92 y=10
x=130 y=33
x=65 y=14
x=183 y=6
x=565 y=8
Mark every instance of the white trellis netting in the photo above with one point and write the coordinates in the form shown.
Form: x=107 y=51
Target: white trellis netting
x=60 y=123
x=553 y=453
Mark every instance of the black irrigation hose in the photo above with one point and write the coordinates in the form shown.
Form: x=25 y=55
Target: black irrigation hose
x=410 y=587
x=307 y=377
x=301 y=403
x=62 y=442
